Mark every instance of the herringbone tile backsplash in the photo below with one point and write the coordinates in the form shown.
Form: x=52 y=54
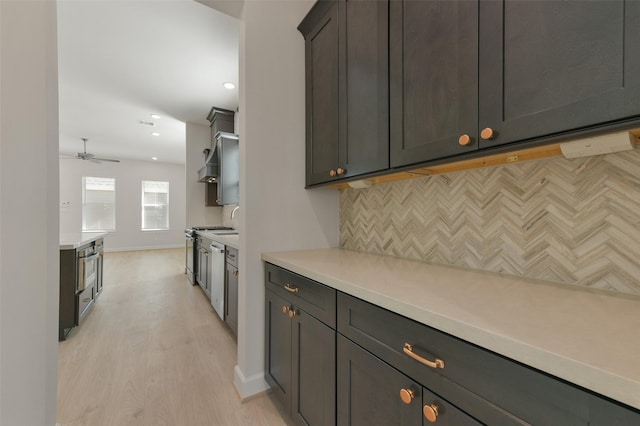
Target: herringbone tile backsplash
x=573 y=221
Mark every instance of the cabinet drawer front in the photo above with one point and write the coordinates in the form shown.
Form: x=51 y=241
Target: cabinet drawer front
x=308 y=295
x=480 y=382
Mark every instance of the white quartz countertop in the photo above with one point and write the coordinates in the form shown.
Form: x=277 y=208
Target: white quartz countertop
x=75 y=240
x=587 y=337
x=232 y=240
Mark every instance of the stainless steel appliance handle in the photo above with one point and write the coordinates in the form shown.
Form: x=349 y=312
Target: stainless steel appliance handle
x=216 y=249
x=90 y=258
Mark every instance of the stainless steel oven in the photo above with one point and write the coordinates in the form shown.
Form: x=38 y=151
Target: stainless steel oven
x=88 y=268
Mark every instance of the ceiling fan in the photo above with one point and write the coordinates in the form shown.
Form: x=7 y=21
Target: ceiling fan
x=88 y=156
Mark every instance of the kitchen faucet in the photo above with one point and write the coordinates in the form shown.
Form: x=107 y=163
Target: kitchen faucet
x=233 y=212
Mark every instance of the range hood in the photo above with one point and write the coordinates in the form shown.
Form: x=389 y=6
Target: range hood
x=209 y=173
x=222 y=120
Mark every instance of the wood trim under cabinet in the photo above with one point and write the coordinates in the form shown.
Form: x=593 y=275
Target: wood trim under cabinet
x=528 y=154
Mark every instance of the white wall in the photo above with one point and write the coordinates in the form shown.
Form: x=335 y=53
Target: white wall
x=197 y=139
x=29 y=254
x=276 y=212
x=129 y=175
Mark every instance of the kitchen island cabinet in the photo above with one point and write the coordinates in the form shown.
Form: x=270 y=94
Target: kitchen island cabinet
x=512 y=350
x=81 y=271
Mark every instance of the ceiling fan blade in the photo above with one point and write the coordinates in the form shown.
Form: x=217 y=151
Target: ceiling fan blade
x=111 y=160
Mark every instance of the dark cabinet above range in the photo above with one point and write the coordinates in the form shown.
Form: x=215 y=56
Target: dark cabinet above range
x=221 y=171
x=399 y=85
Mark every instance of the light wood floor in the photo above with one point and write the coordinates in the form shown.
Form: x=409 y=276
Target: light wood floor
x=153 y=352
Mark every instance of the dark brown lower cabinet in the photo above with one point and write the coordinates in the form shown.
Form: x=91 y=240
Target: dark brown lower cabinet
x=333 y=359
x=300 y=362
x=371 y=392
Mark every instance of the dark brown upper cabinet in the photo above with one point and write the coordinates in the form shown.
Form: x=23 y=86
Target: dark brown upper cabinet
x=434 y=79
x=468 y=75
x=401 y=83
x=548 y=67
x=347 y=89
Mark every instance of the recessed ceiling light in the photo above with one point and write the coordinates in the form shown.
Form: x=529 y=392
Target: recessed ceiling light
x=154 y=158
x=229 y=85
x=155 y=134
x=155 y=116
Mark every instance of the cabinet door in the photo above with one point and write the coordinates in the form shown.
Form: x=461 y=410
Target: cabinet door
x=231 y=303
x=436 y=409
x=207 y=274
x=434 y=79
x=369 y=390
x=364 y=82
x=201 y=266
x=552 y=66
x=278 y=348
x=229 y=170
x=314 y=366
x=322 y=99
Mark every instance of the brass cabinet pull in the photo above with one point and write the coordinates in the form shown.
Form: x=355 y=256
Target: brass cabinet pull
x=430 y=412
x=464 y=140
x=290 y=288
x=292 y=313
x=285 y=309
x=407 y=395
x=235 y=273
x=408 y=349
x=487 y=133
x=341 y=171
x=332 y=173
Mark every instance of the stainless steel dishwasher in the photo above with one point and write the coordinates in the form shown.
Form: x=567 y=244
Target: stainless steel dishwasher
x=217 y=278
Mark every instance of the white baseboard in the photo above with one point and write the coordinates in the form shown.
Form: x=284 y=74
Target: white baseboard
x=248 y=387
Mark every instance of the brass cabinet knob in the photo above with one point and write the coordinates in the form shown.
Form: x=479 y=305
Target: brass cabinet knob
x=285 y=309
x=464 y=140
x=341 y=171
x=332 y=173
x=407 y=395
x=292 y=313
x=430 y=412
x=487 y=133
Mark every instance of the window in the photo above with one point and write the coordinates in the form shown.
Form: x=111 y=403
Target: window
x=155 y=205
x=98 y=204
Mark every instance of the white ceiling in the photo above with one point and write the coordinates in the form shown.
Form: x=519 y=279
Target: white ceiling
x=120 y=61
